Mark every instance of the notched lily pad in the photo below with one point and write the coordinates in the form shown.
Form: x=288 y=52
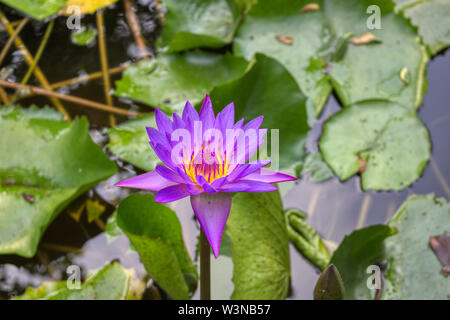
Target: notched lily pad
x=61 y=162
x=392 y=140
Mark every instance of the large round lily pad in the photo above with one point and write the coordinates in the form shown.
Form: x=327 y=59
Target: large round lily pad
x=386 y=143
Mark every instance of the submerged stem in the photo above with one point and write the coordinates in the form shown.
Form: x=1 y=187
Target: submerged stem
x=104 y=64
x=39 y=52
x=205 y=268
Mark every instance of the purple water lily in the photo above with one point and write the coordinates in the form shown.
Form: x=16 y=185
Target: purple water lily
x=206 y=167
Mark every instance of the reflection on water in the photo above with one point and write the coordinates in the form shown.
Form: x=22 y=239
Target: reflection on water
x=334 y=208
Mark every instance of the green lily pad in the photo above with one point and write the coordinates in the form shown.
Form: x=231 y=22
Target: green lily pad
x=198 y=23
x=38 y=9
x=109 y=283
x=171 y=79
x=269 y=89
x=83 y=37
x=129 y=141
x=413 y=270
x=50 y=162
x=320 y=171
x=371 y=71
x=431 y=19
x=259 y=246
x=263 y=30
x=155 y=233
x=386 y=143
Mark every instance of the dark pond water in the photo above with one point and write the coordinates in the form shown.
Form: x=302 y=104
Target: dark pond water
x=334 y=208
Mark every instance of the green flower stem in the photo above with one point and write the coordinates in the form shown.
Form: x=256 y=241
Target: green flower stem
x=306 y=239
x=205 y=268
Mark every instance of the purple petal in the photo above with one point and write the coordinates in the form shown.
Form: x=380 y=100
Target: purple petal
x=147 y=181
x=238 y=125
x=254 y=124
x=219 y=182
x=172 y=193
x=225 y=118
x=212 y=212
x=185 y=177
x=194 y=189
x=246 y=147
x=163 y=122
x=207 y=114
x=190 y=115
x=205 y=185
x=169 y=174
x=157 y=137
x=269 y=176
x=248 y=186
x=246 y=169
x=164 y=155
x=178 y=123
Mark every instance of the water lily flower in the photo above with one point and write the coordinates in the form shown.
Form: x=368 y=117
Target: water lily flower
x=206 y=167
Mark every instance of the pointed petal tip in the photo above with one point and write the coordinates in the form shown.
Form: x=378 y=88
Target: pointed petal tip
x=287 y=177
x=212 y=224
x=206 y=103
x=216 y=252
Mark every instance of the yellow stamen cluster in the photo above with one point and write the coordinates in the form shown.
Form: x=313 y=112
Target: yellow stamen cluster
x=211 y=170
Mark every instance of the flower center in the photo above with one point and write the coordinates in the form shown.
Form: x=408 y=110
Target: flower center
x=212 y=165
